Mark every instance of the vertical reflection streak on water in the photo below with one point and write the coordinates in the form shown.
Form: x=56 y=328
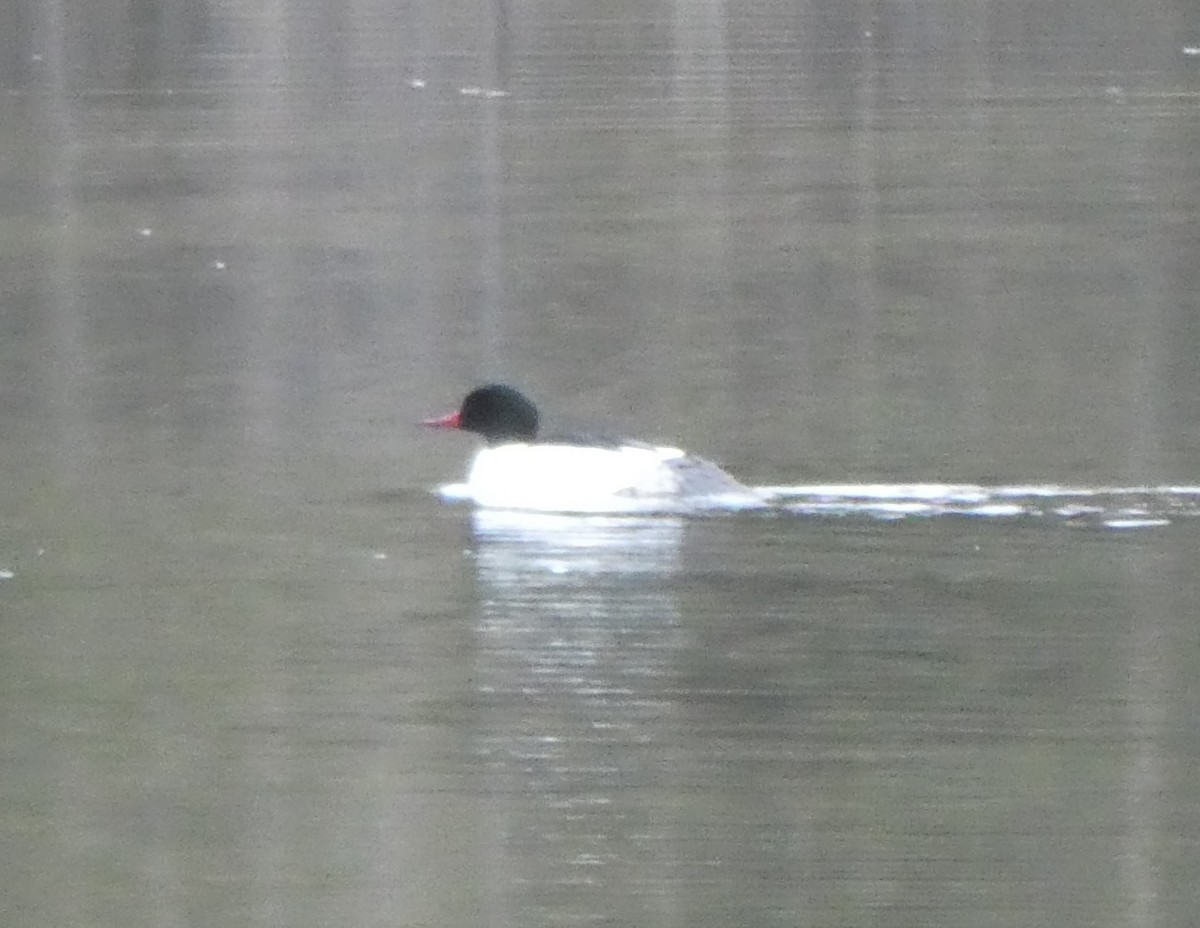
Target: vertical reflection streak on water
x=68 y=377
x=979 y=274
x=490 y=226
x=1148 y=692
x=868 y=156
x=262 y=125
x=698 y=103
x=576 y=631
x=407 y=231
x=1145 y=347
x=277 y=309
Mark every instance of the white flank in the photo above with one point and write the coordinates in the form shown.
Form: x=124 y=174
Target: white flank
x=571 y=478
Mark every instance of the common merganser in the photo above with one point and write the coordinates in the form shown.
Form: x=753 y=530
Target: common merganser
x=523 y=468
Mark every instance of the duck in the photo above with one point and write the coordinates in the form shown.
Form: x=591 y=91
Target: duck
x=522 y=466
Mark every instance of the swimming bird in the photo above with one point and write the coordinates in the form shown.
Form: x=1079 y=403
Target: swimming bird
x=523 y=466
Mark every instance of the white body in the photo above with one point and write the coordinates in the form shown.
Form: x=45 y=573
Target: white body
x=574 y=478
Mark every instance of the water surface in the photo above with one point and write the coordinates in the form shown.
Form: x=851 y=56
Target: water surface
x=929 y=267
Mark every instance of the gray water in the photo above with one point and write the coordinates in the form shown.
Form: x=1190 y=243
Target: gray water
x=255 y=672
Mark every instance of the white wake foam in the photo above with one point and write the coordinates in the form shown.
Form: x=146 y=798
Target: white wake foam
x=1114 y=507
x=1127 y=507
